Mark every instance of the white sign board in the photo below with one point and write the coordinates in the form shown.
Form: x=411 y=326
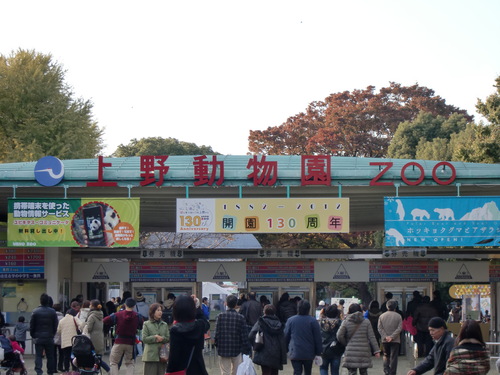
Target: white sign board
x=221 y=271
x=341 y=271
x=86 y=272
x=464 y=272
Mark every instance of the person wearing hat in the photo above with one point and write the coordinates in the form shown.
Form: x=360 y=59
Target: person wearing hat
x=127 y=323
x=321 y=310
x=443 y=345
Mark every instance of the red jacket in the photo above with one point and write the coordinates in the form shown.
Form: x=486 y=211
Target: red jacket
x=127 y=323
x=16 y=346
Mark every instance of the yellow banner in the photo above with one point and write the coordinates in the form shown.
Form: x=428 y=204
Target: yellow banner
x=263 y=215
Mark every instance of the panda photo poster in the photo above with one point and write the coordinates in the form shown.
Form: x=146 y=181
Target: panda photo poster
x=85 y=222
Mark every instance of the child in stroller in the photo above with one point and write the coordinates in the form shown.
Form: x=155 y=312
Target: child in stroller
x=12 y=360
x=84 y=357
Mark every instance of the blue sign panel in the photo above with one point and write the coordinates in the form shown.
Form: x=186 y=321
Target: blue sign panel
x=442 y=221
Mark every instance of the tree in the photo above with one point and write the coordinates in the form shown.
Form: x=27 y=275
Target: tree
x=357 y=123
x=39 y=115
x=490 y=108
x=426 y=137
x=161 y=146
x=431 y=137
x=478 y=143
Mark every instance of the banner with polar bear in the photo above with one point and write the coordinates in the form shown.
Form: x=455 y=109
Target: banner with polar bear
x=84 y=222
x=442 y=221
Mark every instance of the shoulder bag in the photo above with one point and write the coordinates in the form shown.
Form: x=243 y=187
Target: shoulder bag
x=182 y=372
x=78 y=332
x=259 y=341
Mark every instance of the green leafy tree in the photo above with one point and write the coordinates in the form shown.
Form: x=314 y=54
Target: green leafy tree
x=424 y=135
x=490 y=108
x=430 y=137
x=39 y=115
x=478 y=143
x=161 y=146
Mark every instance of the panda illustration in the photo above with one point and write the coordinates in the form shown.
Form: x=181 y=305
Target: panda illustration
x=95 y=226
x=111 y=220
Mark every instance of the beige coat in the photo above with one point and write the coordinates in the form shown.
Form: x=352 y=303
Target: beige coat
x=67 y=329
x=389 y=325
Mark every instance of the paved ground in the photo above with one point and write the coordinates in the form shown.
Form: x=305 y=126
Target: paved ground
x=212 y=366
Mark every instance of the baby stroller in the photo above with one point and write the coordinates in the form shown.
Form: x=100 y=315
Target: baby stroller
x=84 y=357
x=11 y=362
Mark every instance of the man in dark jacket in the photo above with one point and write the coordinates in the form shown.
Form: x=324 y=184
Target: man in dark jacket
x=286 y=308
x=421 y=317
x=251 y=310
x=303 y=339
x=231 y=337
x=127 y=323
x=43 y=327
x=441 y=350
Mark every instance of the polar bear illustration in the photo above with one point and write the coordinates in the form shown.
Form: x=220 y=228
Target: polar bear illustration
x=400 y=210
x=400 y=240
x=419 y=214
x=445 y=213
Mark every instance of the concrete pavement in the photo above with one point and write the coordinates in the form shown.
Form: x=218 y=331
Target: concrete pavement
x=211 y=361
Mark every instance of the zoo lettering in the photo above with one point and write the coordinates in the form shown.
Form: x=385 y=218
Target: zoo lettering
x=388 y=165
x=316 y=170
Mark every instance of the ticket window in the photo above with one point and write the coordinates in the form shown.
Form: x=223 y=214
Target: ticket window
x=178 y=291
x=272 y=294
x=302 y=294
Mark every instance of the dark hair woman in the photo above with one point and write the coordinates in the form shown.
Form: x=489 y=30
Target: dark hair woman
x=373 y=314
x=154 y=335
x=272 y=356
x=470 y=356
x=332 y=349
x=187 y=338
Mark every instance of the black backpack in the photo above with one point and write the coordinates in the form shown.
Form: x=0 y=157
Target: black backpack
x=168 y=316
x=331 y=346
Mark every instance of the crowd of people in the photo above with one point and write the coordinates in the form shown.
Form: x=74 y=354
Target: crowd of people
x=171 y=336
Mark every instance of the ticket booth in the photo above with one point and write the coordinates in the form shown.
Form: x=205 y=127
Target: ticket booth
x=274 y=291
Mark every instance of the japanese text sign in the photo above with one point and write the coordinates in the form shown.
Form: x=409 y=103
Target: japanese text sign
x=442 y=221
x=73 y=222
x=263 y=215
x=21 y=264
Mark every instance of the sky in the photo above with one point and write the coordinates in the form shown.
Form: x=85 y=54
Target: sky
x=207 y=72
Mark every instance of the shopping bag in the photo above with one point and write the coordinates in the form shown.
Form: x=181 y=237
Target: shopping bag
x=246 y=367
x=318 y=360
x=408 y=326
x=163 y=351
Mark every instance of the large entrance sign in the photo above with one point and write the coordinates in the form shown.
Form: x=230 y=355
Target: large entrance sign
x=85 y=222
x=263 y=215
x=442 y=221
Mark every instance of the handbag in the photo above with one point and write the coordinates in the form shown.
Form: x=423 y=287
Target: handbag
x=259 y=341
x=78 y=332
x=182 y=372
x=163 y=352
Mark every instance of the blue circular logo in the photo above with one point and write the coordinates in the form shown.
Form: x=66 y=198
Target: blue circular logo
x=49 y=171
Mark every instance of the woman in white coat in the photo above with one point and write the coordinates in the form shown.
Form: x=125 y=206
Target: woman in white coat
x=67 y=328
